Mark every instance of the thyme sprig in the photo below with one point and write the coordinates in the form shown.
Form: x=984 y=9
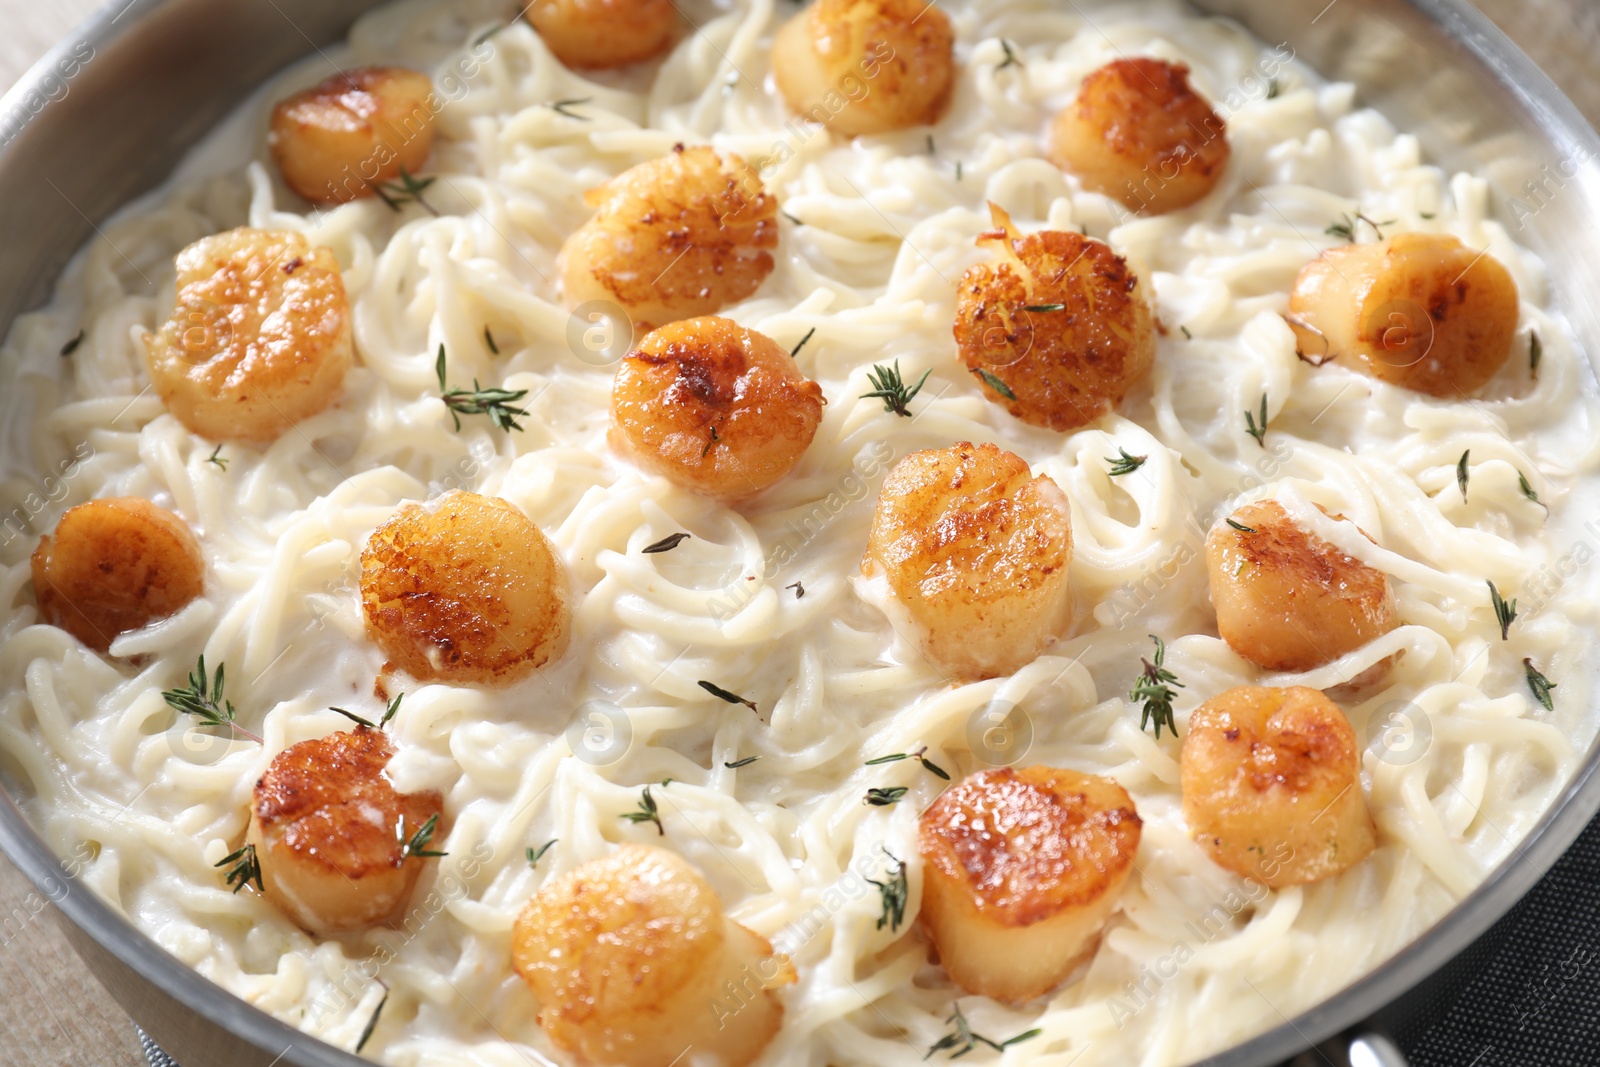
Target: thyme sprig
x=389 y=712
x=1347 y=226
x=218 y=458
x=408 y=190
x=1154 y=689
x=894 y=891
x=203 y=699
x=495 y=403
x=243 y=868
x=1505 y=611
x=536 y=854
x=647 y=812
x=1257 y=429
x=732 y=698
x=888 y=386
x=920 y=755
x=1123 y=463
x=417 y=844
x=884 y=796
x=962 y=1040
x=1462 y=474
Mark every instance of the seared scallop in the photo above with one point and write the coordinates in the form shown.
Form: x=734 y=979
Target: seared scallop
x=1021 y=870
x=683 y=235
x=602 y=34
x=1272 y=785
x=113 y=566
x=259 y=337
x=968 y=556
x=465 y=589
x=716 y=408
x=1287 y=600
x=1056 y=330
x=866 y=66
x=1417 y=310
x=1138 y=132
x=333 y=837
x=634 y=962
x=339 y=139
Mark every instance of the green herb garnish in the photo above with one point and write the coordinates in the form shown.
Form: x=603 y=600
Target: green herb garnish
x=962 y=1040
x=888 y=386
x=1154 y=690
x=893 y=890
x=995 y=383
x=666 y=544
x=204 y=700
x=243 y=868
x=732 y=698
x=1255 y=429
x=536 y=854
x=647 y=812
x=417 y=844
x=408 y=190
x=1505 y=611
x=495 y=403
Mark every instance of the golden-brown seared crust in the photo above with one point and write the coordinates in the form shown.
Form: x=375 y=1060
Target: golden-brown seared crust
x=683 y=235
x=1070 y=364
x=975 y=550
x=1422 y=311
x=328 y=802
x=632 y=960
x=259 y=336
x=866 y=66
x=115 y=565
x=717 y=408
x=1027 y=844
x=338 y=139
x=465 y=589
x=1138 y=132
x=1272 y=787
x=1287 y=600
x=604 y=34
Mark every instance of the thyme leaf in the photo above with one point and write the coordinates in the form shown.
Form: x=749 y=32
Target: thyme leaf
x=217 y=458
x=1241 y=527
x=72 y=345
x=666 y=544
x=1042 y=308
x=1535 y=354
x=795 y=351
x=536 y=854
x=1010 y=59
x=1462 y=475
x=736 y=764
x=372 y=1023
x=883 y=797
x=488 y=339
x=993 y=382
x=920 y=755
x=564 y=107
x=732 y=698
x=799 y=589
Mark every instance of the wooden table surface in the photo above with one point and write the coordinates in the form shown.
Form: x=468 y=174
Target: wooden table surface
x=52 y=1011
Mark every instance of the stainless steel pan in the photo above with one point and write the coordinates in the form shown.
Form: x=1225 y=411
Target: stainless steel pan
x=108 y=114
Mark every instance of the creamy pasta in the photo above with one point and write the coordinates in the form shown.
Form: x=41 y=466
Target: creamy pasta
x=1460 y=759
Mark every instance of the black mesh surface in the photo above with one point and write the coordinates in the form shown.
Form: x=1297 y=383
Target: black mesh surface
x=1536 y=998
